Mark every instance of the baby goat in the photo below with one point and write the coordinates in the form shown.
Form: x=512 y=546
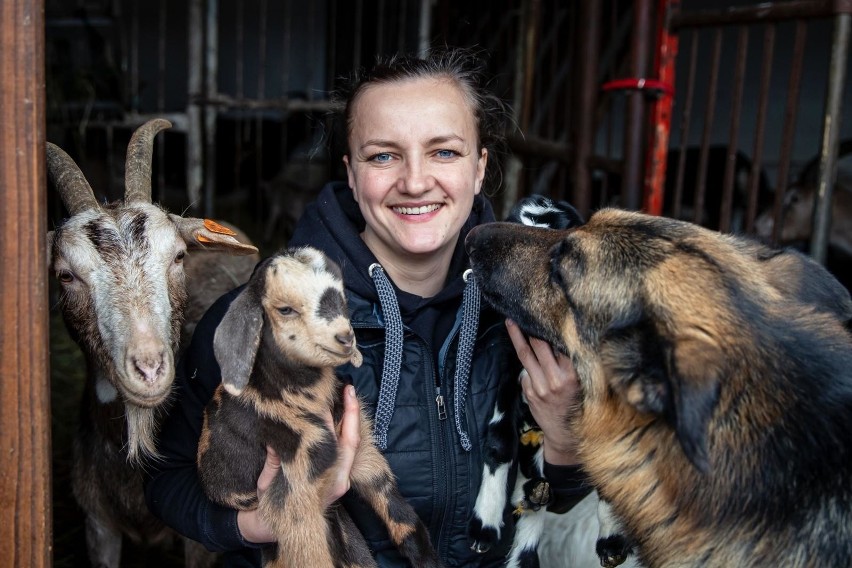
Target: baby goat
x=277 y=347
x=123 y=292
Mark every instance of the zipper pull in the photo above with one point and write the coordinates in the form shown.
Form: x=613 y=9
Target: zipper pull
x=442 y=408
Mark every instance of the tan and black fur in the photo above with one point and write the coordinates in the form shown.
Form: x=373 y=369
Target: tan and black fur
x=716 y=379
x=277 y=346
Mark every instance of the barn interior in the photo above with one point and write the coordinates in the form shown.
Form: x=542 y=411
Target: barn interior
x=728 y=114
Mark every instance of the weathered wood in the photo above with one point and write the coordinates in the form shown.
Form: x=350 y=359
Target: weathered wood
x=25 y=510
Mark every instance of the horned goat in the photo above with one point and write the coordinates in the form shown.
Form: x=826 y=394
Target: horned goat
x=123 y=293
x=277 y=347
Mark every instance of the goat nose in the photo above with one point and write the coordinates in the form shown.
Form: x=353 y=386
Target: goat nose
x=149 y=367
x=345 y=339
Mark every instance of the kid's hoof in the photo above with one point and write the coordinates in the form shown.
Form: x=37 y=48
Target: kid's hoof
x=537 y=493
x=613 y=550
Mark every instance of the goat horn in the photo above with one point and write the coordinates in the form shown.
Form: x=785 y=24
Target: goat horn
x=75 y=191
x=137 y=168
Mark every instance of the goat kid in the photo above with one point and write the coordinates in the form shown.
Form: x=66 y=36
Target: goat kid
x=120 y=268
x=277 y=347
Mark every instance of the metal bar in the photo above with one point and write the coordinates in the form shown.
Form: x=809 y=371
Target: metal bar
x=760 y=126
x=790 y=115
x=701 y=174
x=358 y=32
x=762 y=13
x=162 y=25
x=631 y=188
x=521 y=88
x=239 y=87
x=684 y=127
x=195 y=86
x=134 y=58
x=830 y=138
x=282 y=104
x=736 y=109
x=661 y=111
x=261 y=94
x=380 y=26
x=586 y=99
x=211 y=87
x=425 y=31
x=26 y=514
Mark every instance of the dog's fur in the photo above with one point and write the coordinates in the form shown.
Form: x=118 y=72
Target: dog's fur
x=716 y=379
x=277 y=347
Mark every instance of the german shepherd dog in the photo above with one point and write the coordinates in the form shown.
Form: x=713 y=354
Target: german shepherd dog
x=715 y=412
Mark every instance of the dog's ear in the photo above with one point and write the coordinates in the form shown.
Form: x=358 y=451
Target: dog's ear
x=695 y=368
x=237 y=339
x=633 y=364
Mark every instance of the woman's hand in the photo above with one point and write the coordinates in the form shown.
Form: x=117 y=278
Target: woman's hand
x=550 y=386
x=250 y=524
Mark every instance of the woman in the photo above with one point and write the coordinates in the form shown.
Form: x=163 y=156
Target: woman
x=419 y=132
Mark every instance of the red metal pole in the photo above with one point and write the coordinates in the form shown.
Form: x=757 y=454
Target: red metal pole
x=661 y=110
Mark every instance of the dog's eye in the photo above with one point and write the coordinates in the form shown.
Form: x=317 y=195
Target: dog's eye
x=286 y=311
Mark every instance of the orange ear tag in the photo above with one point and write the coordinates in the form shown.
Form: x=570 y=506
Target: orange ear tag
x=217 y=228
x=203 y=239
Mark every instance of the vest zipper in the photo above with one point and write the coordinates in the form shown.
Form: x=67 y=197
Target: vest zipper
x=442 y=407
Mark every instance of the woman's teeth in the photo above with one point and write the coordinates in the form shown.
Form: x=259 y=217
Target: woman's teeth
x=417 y=210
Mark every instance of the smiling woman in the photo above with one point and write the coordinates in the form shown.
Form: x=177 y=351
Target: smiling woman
x=422 y=134
x=414 y=179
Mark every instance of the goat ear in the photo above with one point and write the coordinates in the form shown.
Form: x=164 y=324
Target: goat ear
x=695 y=368
x=237 y=339
x=205 y=234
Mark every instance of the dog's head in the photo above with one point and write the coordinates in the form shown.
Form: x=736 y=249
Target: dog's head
x=657 y=311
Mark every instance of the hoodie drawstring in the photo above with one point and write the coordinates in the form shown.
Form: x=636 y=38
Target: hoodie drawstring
x=464 y=354
x=393 y=354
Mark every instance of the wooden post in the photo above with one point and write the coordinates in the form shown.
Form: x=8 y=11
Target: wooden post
x=25 y=506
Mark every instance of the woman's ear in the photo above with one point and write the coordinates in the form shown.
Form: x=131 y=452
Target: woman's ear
x=481 y=164
x=350 y=176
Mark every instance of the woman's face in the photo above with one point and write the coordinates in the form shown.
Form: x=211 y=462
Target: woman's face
x=414 y=166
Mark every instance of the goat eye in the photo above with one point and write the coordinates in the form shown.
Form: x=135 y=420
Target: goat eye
x=65 y=276
x=180 y=256
x=285 y=311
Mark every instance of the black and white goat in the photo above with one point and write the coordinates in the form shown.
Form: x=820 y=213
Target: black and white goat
x=514 y=436
x=123 y=292
x=277 y=347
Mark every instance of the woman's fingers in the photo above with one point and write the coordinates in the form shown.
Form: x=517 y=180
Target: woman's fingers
x=349 y=438
x=271 y=468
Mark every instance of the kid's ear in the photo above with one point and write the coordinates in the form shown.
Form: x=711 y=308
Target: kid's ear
x=237 y=339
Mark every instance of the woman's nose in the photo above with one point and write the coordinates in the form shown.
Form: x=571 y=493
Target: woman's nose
x=416 y=179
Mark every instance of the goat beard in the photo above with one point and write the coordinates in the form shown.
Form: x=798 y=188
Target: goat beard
x=142 y=424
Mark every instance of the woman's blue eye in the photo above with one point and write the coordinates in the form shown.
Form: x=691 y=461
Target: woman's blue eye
x=446 y=154
x=381 y=158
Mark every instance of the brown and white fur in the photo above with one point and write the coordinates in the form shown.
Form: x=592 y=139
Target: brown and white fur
x=716 y=379
x=277 y=347
x=123 y=292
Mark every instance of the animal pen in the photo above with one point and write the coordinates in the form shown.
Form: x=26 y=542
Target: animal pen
x=657 y=105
